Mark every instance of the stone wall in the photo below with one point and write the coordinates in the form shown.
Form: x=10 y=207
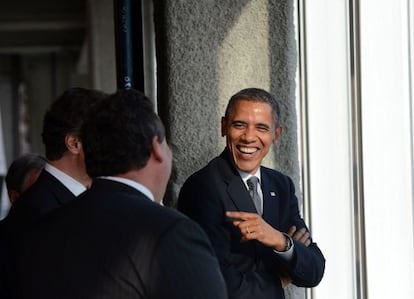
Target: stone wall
x=206 y=51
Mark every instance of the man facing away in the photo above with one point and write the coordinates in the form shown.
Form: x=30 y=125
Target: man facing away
x=116 y=240
x=63 y=178
x=250 y=212
x=22 y=174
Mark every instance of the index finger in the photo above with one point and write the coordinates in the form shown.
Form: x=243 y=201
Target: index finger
x=291 y=230
x=241 y=215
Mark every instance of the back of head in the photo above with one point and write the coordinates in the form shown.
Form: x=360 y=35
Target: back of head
x=65 y=116
x=255 y=95
x=22 y=173
x=117 y=133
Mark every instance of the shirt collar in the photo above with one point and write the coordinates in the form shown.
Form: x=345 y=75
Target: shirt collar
x=131 y=183
x=245 y=176
x=69 y=182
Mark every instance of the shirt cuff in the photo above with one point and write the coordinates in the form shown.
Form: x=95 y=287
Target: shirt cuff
x=288 y=254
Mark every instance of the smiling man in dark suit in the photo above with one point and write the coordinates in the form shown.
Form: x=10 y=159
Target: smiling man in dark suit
x=116 y=240
x=250 y=212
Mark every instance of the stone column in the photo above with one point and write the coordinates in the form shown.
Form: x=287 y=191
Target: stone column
x=208 y=50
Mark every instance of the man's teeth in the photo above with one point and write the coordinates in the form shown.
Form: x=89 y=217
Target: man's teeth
x=247 y=150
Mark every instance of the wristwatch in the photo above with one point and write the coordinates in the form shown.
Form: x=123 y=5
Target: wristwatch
x=288 y=242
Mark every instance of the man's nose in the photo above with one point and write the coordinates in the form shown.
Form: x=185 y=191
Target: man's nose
x=249 y=135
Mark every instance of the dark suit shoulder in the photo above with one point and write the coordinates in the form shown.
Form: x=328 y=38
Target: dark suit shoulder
x=108 y=211
x=206 y=170
x=115 y=227
x=113 y=203
x=276 y=177
x=199 y=183
x=218 y=169
x=275 y=173
x=46 y=185
x=45 y=195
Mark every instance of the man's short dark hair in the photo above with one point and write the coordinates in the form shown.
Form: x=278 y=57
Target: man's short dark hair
x=117 y=134
x=20 y=168
x=65 y=116
x=255 y=95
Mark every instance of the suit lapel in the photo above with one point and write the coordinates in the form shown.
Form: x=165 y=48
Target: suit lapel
x=239 y=195
x=236 y=189
x=271 y=199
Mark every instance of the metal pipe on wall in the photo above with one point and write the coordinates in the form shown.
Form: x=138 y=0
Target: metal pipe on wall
x=129 y=44
x=149 y=52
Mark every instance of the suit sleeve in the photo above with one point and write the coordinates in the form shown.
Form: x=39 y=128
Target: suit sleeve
x=193 y=270
x=247 y=278
x=308 y=265
x=202 y=203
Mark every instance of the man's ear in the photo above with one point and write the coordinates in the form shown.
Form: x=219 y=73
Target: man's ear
x=223 y=126
x=157 y=151
x=278 y=133
x=73 y=143
x=13 y=195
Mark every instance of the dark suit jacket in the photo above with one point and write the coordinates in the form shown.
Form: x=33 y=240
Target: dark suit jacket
x=45 y=195
x=250 y=269
x=114 y=242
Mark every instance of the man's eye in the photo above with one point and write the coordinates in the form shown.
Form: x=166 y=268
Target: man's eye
x=238 y=125
x=262 y=129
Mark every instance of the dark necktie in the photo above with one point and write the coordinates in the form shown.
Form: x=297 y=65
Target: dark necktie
x=252 y=184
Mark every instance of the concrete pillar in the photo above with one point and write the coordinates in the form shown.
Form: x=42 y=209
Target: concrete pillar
x=101 y=43
x=207 y=51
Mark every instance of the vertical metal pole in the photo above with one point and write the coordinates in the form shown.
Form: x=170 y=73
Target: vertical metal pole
x=410 y=18
x=304 y=123
x=129 y=44
x=149 y=54
x=357 y=151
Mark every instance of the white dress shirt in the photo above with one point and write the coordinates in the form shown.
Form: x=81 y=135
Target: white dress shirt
x=69 y=182
x=132 y=184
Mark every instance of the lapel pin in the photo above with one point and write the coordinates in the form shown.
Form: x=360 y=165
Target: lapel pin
x=272 y=193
